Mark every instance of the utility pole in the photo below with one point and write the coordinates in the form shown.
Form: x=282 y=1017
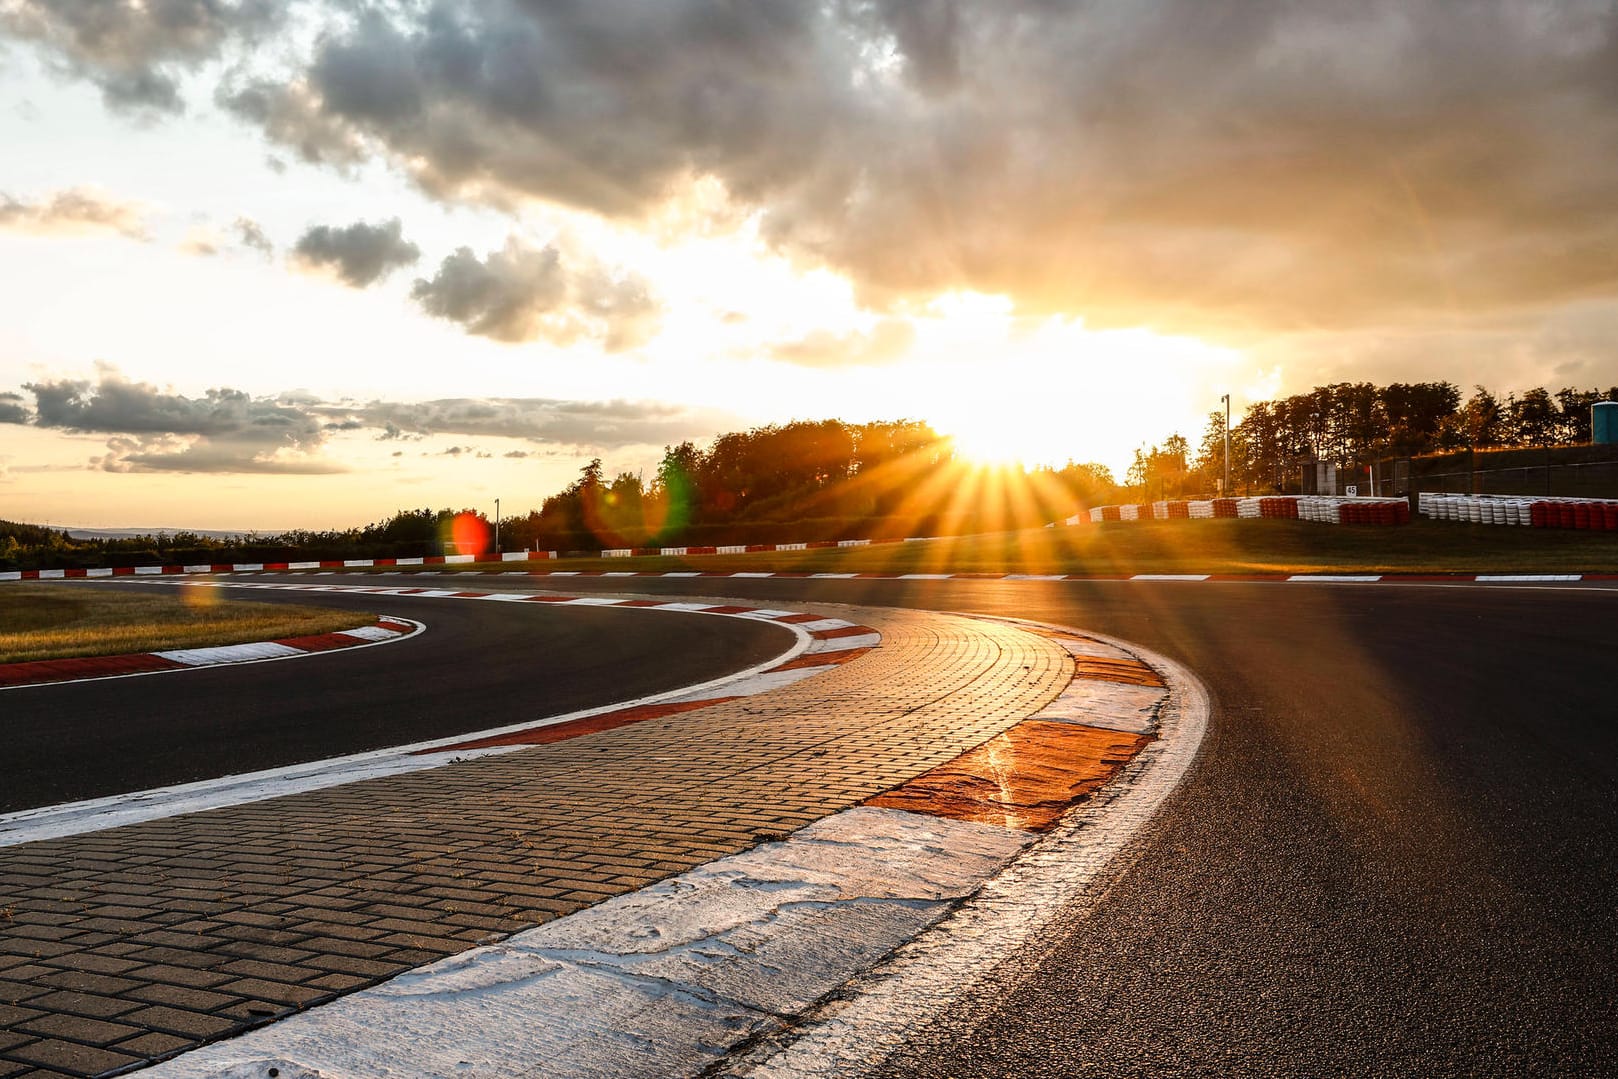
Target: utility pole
x=1225 y=488
x=497 y=526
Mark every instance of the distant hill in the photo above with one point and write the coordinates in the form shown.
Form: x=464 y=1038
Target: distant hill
x=131 y=533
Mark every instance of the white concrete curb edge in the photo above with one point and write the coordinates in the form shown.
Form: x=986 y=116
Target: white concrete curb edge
x=1064 y=873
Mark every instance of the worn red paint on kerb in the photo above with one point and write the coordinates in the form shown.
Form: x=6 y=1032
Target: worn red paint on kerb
x=40 y=671
x=574 y=728
x=1025 y=778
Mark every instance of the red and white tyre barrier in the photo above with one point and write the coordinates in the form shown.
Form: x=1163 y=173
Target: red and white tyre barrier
x=1321 y=509
x=1584 y=514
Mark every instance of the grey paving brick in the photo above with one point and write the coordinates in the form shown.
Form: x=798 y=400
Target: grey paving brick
x=347 y=964
x=71 y=1058
x=101 y=961
x=177 y=1021
x=281 y=972
x=98 y=1007
x=16 y=1069
x=197 y=1000
x=16 y=992
x=179 y=976
x=11 y=1015
x=153 y=1046
x=208 y=923
x=86 y=982
x=76 y=1027
x=274 y=992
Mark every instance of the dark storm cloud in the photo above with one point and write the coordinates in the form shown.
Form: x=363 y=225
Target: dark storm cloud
x=224 y=430
x=137 y=51
x=1197 y=165
x=114 y=404
x=227 y=430
x=523 y=293
x=12 y=409
x=74 y=211
x=217 y=456
x=602 y=425
x=359 y=254
x=1182 y=162
x=598 y=105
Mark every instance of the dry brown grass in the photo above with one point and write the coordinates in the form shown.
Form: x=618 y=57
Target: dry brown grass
x=56 y=621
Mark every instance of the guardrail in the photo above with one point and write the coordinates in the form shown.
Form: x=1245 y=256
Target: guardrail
x=1322 y=509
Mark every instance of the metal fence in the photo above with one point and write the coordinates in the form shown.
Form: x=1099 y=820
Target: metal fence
x=1583 y=479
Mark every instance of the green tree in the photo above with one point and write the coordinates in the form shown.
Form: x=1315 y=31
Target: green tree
x=1532 y=419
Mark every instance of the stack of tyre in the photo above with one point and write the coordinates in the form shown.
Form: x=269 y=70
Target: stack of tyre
x=1585 y=514
x=1591 y=514
x=1374 y=511
x=1323 y=509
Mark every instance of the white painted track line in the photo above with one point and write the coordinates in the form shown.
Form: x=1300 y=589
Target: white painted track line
x=1336 y=578
x=1529 y=577
x=230 y=653
x=75 y=818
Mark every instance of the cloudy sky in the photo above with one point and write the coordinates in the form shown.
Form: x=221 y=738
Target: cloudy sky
x=298 y=263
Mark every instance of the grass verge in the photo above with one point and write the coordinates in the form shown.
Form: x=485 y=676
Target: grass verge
x=64 y=621
x=1217 y=546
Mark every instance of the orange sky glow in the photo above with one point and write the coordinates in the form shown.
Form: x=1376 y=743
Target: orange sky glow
x=277 y=266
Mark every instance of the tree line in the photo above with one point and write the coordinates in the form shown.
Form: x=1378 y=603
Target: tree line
x=806 y=480
x=832 y=480
x=1357 y=423
x=801 y=481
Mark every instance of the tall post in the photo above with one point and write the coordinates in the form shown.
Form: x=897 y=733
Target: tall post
x=497 y=526
x=1225 y=488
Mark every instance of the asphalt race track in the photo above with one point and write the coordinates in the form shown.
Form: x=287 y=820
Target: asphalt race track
x=477 y=666
x=1397 y=854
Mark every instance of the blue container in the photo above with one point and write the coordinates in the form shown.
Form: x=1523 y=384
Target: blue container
x=1604 y=423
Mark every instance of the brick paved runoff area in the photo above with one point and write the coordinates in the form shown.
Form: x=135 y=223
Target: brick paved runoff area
x=122 y=946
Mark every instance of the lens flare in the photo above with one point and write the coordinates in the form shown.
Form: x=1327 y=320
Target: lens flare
x=468 y=533
x=199 y=597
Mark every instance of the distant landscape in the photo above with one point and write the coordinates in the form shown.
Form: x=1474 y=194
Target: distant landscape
x=831 y=480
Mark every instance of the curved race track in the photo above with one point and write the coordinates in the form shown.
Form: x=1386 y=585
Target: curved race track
x=477 y=666
x=1397 y=854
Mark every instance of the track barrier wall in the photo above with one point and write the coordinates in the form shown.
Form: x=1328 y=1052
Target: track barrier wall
x=1322 y=509
x=1586 y=514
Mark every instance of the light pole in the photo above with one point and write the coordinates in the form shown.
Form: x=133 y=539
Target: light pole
x=497 y=526
x=1225 y=489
